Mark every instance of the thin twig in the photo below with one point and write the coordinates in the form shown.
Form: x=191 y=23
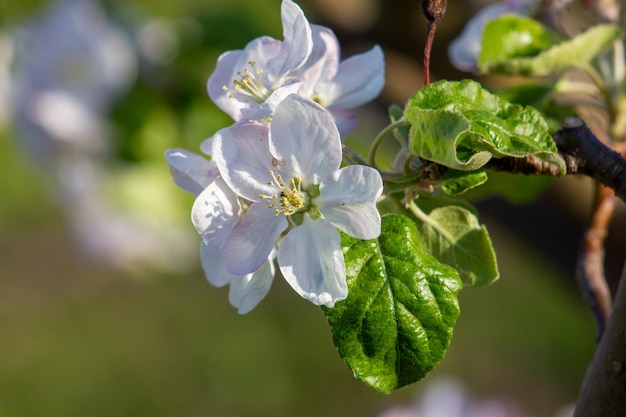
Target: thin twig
x=434 y=10
x=590 y=263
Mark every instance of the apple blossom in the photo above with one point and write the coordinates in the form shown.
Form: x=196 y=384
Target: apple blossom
x=250 y=83
x=290 y=173
x=197 y=175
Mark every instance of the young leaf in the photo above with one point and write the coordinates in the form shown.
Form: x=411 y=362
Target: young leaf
x=454 y=236
x=455 y=182
x=396 y=324
x=503 y=49
x=462 y=126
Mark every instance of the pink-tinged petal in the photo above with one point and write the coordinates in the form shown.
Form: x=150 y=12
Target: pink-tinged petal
x=311 y=260
x=247 y=291
x=242 y=155
x=266 y=109
x=348 y=200
x=231 y=67
x=304 y=136
x=215 y=212
x=344 y=119
x=323 y=62
x=297 y=43
x=252 y=239
x=223 y=76
x=190 y=171
x=359 y=80
x=212 y=265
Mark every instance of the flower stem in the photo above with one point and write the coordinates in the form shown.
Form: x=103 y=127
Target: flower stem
x=371 y=158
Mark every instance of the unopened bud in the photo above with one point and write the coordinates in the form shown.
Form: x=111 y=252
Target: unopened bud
x=434 y=10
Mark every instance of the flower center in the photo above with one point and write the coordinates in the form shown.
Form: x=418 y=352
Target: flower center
x=249 y=84
x=288 y=199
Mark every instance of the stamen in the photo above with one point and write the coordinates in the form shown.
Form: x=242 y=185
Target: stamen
x=249 y=84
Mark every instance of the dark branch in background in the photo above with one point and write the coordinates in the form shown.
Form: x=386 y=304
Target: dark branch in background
x=434 y=10
x=590 y=262
x=604 y=386
x=583 y=154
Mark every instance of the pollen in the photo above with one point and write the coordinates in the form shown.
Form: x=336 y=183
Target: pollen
x=249 y=84
x=289 y=199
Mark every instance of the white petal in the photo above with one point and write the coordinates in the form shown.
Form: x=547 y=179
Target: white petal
x=323 y=62
x=232 y=64
x=242 y=155
x=215 y=212
x=304 y=136
x=297 y=42
x=266 y=109
x=247 y=291
x=190 y=171
x=212 y=265
x=311 y=260
x=348 y=200
x=359 y=80
x=252 y=239
x=223 y=76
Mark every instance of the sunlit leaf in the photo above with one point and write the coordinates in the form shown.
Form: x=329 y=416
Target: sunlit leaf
x=396 y=324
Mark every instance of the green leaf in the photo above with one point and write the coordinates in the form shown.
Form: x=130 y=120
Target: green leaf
x=396 y=324
x=455 y=182
x=454 y=236
x=497 y=57
x=511 y=36
x=462 y=126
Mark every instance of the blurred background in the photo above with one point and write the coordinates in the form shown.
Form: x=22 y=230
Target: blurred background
x=104 y=310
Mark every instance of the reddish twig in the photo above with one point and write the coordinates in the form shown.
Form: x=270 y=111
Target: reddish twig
x=590 y=263
x=434 y=10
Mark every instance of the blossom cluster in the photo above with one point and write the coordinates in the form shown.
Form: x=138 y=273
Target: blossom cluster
x=273 y=190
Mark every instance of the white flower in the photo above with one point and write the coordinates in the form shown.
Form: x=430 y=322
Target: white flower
x=250 y=83
x=290 y=174
x=197 y=175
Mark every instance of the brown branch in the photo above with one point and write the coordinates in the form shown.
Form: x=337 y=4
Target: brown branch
x=587 y=155
x=603 y=391
x=583 y=154
x=590 y=263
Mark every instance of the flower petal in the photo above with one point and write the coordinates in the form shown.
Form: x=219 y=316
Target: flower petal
x=242 y=155
x=348 y=200
x=266 y=109
x=212 y=265
x=323 y=62
x=297 y=43
x=252 y=239
x=247 y=291
x=230 y=67
x=311 y=260
x=359 y=80
x=190 y=171
x=215 y=212
x=305 y=137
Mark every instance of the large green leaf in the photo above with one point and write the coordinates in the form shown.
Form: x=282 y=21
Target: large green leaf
x=517 y=45
x=396 y=324
x=462 y=126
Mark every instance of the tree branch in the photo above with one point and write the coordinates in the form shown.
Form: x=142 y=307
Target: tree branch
x=590 y=263
x=603 y=391
x=583 y=154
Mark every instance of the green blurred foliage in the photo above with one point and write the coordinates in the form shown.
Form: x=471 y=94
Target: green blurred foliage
x=79 y=339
